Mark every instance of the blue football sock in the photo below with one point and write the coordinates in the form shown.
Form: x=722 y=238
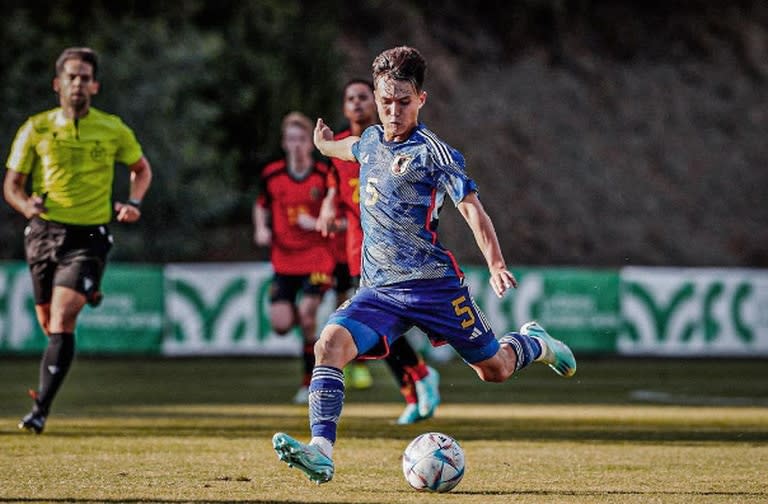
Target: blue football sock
x=326 y=398
x=527 y=348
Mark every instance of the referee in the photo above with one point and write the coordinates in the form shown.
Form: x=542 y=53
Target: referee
x=69 y=153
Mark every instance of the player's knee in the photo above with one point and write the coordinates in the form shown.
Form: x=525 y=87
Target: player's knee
x=325 y=348
x=282 y=316
x=307 y=312
x=62 y=321
x=281 y=321
x=281 y=330
x=308 y=322
x=281 y=325
x=335 y=347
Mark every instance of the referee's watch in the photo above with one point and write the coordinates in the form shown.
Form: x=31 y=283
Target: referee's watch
x=134 y=203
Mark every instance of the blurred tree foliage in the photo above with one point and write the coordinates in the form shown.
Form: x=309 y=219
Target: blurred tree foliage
x=622 y=132
x=203 y=85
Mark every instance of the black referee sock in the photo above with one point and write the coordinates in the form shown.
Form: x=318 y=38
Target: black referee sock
x=402 y=356
x=53 y=368
x=308 y=357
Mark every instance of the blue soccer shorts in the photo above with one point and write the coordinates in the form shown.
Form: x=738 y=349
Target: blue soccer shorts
x=442 y=308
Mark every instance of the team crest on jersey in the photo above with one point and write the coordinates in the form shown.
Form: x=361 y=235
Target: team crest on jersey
x=400 y=164
x=98 y=153
x=314 y=193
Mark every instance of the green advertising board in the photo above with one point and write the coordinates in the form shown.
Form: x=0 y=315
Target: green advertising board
x=222 y=309
x=710 y=312
x=128 y=321
x=19 y=331
x=579 y=306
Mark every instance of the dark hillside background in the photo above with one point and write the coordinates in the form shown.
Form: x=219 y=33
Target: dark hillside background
x=600 y=133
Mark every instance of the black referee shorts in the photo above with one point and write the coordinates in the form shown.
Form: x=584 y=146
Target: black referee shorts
x=68 y=256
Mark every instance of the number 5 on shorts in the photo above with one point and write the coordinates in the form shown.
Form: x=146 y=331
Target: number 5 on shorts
x=463 y=311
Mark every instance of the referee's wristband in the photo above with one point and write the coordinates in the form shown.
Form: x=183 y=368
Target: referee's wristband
x=134 y=203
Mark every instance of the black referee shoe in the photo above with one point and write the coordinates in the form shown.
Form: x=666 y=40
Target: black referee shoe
x=33 y=422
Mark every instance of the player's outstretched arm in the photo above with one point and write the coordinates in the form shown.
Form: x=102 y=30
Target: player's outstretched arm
x=262 y=234
x=327 y=213
x=485 y=236
x=340 y=149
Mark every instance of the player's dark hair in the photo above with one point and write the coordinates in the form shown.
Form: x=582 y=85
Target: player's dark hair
x=85 y=54
x=401 y=63
x=352 y=82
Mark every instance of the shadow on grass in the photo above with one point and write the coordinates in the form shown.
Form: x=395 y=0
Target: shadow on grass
x=544 y=493
x=465 y=428
x=602 y=493
x=169 y=501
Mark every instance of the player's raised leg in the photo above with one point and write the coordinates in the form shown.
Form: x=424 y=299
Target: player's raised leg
x=517 y=351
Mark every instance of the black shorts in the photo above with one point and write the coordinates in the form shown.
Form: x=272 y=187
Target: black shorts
x=342 y=280
x=286 y=287
x=66 y=255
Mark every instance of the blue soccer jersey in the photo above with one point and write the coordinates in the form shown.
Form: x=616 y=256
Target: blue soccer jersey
x=402 y=188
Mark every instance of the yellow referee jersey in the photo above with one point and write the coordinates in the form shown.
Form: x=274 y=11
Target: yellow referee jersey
x=72 y=162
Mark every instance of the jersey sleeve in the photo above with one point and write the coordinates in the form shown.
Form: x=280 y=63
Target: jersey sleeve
x=23 y=155
x=453 y=177
x=365 y=138
x=356 y=150
x=128 y=150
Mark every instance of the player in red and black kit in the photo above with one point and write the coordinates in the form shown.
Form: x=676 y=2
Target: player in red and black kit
x=418 y=382
x=285 y=216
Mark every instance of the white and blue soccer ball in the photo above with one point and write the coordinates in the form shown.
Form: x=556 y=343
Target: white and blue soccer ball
x=433 y=462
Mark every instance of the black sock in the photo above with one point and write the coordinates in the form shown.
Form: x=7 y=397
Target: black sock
x=308 y=357
x=53 y=368
x=401 y=355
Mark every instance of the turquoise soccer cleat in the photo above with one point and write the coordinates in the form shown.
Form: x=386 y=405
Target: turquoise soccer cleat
x=410 y=415
x=307 y=458
x=428 y=393
x=556 y=353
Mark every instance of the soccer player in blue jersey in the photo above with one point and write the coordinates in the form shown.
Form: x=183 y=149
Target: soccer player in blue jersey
x=408 y=278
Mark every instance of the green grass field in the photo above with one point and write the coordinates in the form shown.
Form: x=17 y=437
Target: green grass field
x=199 y=430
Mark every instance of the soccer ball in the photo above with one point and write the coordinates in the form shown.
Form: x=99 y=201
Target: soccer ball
x=433 y=462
